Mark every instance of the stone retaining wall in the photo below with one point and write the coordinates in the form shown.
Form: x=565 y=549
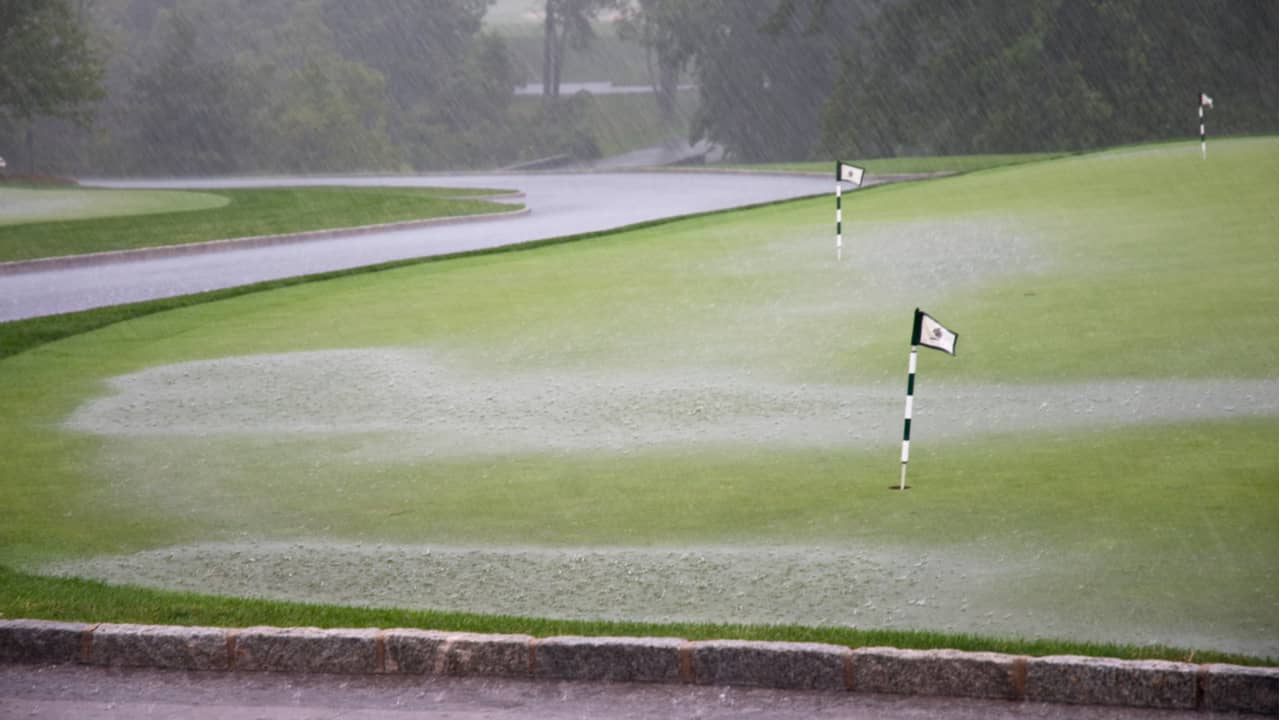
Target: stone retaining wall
x=810 y=666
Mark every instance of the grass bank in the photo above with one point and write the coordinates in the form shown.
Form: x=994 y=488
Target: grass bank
x=93 y=220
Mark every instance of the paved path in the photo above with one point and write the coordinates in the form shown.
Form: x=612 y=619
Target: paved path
x=561 y=204
x=95 y=693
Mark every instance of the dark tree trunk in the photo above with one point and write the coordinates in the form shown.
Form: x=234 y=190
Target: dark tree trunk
x=548 y=51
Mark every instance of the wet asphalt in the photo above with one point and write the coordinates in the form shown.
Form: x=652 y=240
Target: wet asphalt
x=560 y=203
x=97 y=693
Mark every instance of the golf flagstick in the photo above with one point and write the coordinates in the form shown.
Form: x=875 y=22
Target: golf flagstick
x=930 y=333
x=1205 y=102
x=844 y=173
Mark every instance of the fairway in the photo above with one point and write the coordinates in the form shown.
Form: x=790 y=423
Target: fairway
x=699 y=421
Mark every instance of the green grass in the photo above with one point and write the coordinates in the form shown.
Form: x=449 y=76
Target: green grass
x=25 y=205
x=23 y=595
x=1143 y=264
x=892 y=166
x=174 y=218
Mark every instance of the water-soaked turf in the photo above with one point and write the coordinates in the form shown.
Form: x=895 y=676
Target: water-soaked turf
x=961 y=589
x=404 y=403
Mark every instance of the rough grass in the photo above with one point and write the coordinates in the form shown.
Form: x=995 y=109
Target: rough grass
x=172 y=219
x=1146 y=264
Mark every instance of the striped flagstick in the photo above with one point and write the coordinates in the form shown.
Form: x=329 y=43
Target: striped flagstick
x=928 y=332
x=840 y=235
x=906 y=414
x=844 y=173
x=1205 y=102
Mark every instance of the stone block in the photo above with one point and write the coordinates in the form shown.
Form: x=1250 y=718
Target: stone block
x=951 y=673
x=159 y=646
x=609 y=659
x=307 y=650
x=1107 y=681
x=1233 y=688
x=808 y=666
x=413 y=652
x=487 y=655
x=40 y=641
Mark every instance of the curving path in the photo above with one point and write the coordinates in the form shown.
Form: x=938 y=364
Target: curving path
x=561 y=204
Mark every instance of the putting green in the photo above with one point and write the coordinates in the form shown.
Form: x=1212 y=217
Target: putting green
x=699 y=420
x=20 y=205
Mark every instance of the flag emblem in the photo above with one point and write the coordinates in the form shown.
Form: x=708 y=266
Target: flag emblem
x=932 y=334
x=849 y=173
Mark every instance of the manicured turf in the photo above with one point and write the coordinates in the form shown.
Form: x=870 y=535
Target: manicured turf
x=20 y=205
x=897 y=165
x=1147 y=268
x=111 y=220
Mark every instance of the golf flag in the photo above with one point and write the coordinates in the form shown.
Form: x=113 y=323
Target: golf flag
x=1205 y=102
x=844 y=173
x=849 y=173
x=930 y=333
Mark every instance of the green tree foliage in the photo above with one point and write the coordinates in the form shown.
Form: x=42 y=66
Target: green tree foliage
x=566 y=23
x=966 y=76
x=183 y=105
x=763 y=70
x=331 y=114
x=763 y=75
x=47 y=66
x=415 y=45
x=791 y=79
x=662 y=28
x=222 y=86
x=48 y=69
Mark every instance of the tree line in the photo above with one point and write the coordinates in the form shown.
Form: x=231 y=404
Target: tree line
x=233 y=86
x=244 y=86
x=818 y=79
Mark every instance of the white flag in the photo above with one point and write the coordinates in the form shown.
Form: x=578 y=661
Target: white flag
x=1206 y=101
x=933 y=335
x=849 y=173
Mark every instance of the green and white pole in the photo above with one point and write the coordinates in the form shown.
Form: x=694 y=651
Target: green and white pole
x=844 y=173
x=839 y=234
x=906 y=413
x=1205 y=102
x=930 y=333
